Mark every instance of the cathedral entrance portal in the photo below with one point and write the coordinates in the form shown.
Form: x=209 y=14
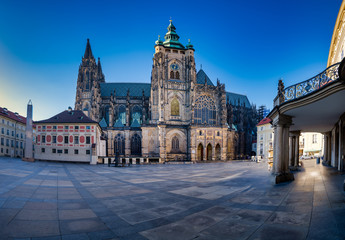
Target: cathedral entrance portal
x=218 y=152
x=209 y=152
x=200 y=152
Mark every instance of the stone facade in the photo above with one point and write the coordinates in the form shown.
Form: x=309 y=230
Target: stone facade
x=181 y=115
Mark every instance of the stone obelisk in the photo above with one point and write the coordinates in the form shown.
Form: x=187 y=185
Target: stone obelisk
x=29 y=135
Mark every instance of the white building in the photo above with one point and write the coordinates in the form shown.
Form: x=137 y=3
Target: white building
x=265 y=139
x=69 y=136
x=311 y=144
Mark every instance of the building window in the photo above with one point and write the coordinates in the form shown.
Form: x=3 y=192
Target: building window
x=12 y=133
x=53 y=150
x=76 y=140
x=54 y=127
x=88 y=140
x=59 y=151
x=43 y=150
x=136 y=114
x=136 y=145
x=65 y=151
x=7 y=142
x=261 y=149
x=119 y=144
x=205 y=110
x=17 y=144
x=21 y=145
x=122 y=114
x=66 y=139
x=271 y=135
x=200 y=133
x=177 y=75
x=12 y=143
x=175 y=145
x=43 y=127
x=54 y=139
x=76 y=127
x=2 y=141
x=88 y=152
x=261 y=137
x=43 y=139
x=172 y=75
x=2 y=150
x=218 y=133
x=76 y=151
x=66 y=127
x=21 y=135
x=314 y=138
x=175 y=107
x=2 y=130
x=88 y=127
x=8 y=132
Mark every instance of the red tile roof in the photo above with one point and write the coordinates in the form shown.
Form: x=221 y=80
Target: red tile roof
x=264 y=121
x=73 y=116
x=14 y=116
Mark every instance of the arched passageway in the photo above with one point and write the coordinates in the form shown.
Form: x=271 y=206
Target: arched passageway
x=200 y=152
x=209 y=152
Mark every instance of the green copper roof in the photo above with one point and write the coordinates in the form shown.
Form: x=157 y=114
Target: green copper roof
x=118 y=123
x=171 y=38
x=103 y=123
x=159 y=41
x=121 y=89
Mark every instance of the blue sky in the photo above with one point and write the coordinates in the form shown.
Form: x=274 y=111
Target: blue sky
x=248 y=45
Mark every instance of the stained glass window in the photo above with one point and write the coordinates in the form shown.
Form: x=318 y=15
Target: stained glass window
x=122 y=114
x=205 y=111
x=175 y=144
x=137 y=114
x=119 y=144
x=136 y=145
x=175 y=107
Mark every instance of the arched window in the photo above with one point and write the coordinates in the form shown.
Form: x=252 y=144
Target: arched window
x=175 y=107
x=177 y=75
x=137 y=114
x=119 y=144
x=136 y=145
x=122 y=114
x=87 y=82
x=205 y=111
x=172 y=75
x=175 y=145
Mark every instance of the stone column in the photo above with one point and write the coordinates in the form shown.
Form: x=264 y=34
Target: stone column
x=296 y=162
x=127 y=143
x=325 y=147
x=329 y=147
x=28 y=156
x=291 y=150
x=281 y=125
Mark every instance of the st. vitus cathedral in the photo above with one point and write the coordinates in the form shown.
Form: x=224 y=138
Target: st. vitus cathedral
x=180 y=115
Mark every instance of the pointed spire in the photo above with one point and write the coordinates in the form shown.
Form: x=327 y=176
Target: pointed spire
x=99 y=66
x=88 y=52
x=171 y=38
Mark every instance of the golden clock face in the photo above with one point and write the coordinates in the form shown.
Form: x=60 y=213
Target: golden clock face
x=174 y=66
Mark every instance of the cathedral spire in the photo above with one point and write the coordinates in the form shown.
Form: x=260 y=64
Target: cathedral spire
x=99 y=66
x=171 y=38
x=88 y=52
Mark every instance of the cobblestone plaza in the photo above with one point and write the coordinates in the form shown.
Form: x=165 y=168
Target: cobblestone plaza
x=234 y=200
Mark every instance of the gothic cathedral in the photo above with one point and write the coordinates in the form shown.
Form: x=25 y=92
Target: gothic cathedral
x=180 y=115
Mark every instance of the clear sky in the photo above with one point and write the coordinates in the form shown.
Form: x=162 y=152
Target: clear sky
x=248 y=44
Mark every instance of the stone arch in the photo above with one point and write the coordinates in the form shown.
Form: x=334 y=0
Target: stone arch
x=182 y=139
x=218 y=152
x=200 y=152
x=209 y=152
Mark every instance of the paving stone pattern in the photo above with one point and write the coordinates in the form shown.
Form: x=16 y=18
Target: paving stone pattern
x=235 y=200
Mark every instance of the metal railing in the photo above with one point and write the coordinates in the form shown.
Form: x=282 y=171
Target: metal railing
x=306 y=87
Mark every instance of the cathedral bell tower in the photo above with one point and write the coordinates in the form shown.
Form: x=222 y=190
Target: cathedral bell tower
x=173 y=78
x=90 y=75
